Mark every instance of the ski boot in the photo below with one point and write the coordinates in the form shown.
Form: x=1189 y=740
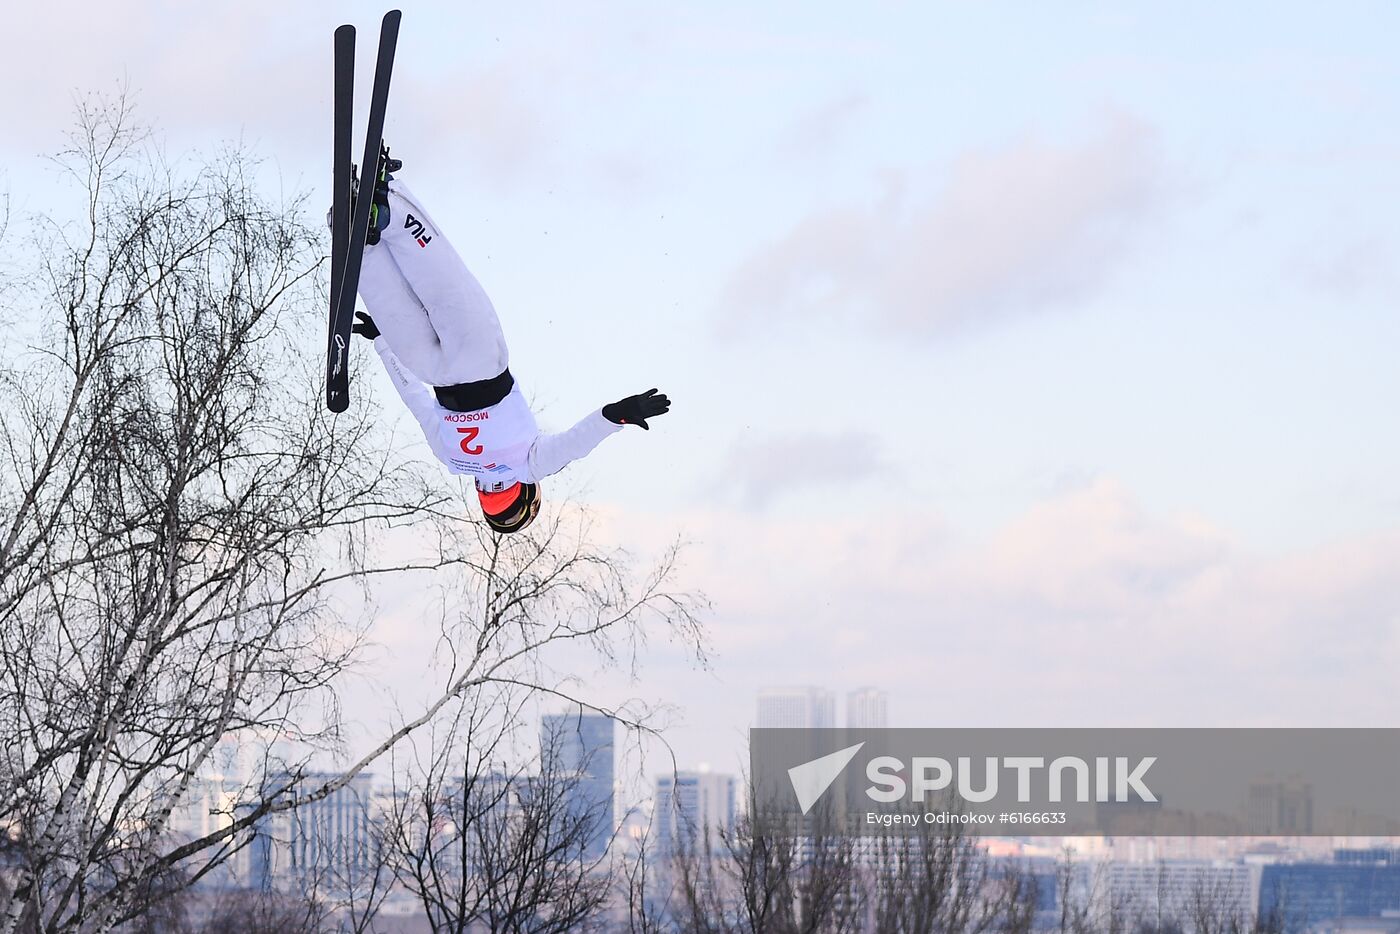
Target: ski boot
x=379 y=210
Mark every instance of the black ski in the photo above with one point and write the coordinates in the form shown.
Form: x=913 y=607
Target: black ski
x=337 y=373
x=343 y=311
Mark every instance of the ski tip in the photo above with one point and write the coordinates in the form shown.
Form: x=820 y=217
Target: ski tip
x=347 y=29
x=338 y=403
x=393 y=16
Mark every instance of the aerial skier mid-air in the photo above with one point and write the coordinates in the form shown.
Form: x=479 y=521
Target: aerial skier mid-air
x=431 y=323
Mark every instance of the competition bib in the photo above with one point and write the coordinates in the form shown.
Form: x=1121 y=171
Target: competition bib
x=492 y=445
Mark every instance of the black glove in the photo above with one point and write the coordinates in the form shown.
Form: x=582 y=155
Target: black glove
x=635 y=410
x=365 y=326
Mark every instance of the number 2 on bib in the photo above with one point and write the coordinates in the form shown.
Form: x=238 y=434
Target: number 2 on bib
x=467 y=446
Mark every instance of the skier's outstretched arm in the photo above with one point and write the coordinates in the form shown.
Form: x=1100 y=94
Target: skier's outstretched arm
x=552 y=453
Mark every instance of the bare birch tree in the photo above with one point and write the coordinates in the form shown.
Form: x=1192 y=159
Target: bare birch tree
x=772 y=874
x=644 y=886
x=765 y=877
x=492 y=841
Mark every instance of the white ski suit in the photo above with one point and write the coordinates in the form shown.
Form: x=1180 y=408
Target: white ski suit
x=437 y=325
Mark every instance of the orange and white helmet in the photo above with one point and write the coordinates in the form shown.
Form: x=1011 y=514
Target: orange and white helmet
x=511 y=509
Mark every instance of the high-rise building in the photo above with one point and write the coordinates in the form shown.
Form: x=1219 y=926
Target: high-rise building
x=207 y=807
x=1357 y=884
x=482 y=817
x=693 y=810
x=867 y=708
x=578 y=747
x=1280 y=808
x=796 y=708
x=1173 y=888
x=326 y=844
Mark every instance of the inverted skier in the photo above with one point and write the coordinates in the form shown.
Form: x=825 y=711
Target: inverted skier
x=431 y=323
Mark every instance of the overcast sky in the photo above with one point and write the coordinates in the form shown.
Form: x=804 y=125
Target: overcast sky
x=1033 y=362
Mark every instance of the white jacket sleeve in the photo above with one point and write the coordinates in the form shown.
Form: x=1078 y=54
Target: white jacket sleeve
x=413 y=392
x=552 y=453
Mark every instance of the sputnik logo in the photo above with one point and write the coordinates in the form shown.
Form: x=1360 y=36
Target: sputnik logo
x=810 y=780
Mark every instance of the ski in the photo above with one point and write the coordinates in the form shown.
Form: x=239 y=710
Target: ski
x=342 y=314
x=337 y=374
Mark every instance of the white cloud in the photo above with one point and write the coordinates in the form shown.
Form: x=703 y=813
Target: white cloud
x=262 y=72
x=1016 y=230
x=763 y=470
x=498 y=118
x=1087 y=609
x=257 y=66
x=1346 y=268
x=814 y=133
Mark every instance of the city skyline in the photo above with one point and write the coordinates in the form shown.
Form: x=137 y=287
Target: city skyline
x=328 y=845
